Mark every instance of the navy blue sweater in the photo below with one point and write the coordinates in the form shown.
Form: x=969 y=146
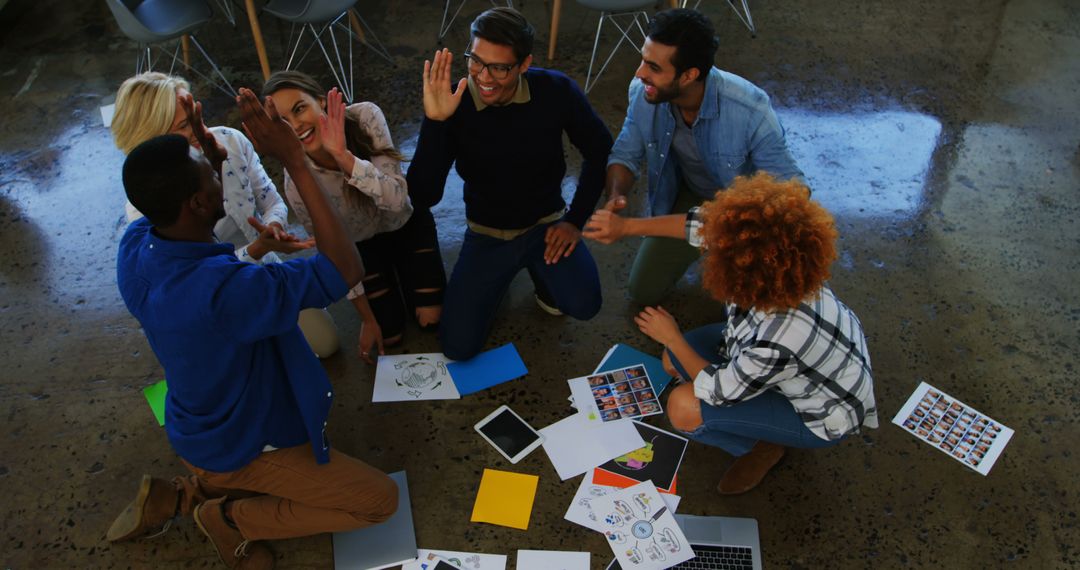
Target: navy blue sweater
x=511 y=157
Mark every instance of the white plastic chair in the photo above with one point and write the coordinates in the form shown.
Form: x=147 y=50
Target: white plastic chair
x=321 y=17
x=152 y=22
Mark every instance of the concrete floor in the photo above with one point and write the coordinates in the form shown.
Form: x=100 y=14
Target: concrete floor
x=943 y=136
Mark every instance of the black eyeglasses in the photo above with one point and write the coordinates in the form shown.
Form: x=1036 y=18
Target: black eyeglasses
x=496 y=70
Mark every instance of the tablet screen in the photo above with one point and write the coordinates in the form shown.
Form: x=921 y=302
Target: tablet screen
x=509 y=433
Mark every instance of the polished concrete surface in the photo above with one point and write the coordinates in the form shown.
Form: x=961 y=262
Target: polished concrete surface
x=942 y=134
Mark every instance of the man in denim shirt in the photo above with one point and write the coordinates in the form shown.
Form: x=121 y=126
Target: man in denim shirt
x=698 y=128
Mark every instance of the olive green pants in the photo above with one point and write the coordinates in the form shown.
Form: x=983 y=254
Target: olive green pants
x=661 y=261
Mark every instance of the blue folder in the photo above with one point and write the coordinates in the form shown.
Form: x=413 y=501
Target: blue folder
x=487 y=369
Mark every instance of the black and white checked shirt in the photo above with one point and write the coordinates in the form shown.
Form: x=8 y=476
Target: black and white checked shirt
x=814 y=354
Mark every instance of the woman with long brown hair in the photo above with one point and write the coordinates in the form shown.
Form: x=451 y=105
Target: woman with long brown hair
x=352 y=155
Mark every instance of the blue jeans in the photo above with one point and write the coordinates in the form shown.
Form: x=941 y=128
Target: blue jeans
x=768 y=416
x=483 y=273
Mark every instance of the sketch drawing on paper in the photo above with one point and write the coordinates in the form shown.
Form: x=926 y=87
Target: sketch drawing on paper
x=404 y=377
x=641 y=529
x=420 y=376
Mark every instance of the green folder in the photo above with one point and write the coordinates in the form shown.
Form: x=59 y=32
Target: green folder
x=155 y=396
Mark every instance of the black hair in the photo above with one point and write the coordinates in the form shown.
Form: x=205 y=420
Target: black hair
x=505 y=26
x=159 y=175
x=692 y=35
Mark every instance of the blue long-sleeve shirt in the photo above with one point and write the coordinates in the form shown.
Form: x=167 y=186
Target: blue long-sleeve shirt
x=240 y=374
x=512 y=158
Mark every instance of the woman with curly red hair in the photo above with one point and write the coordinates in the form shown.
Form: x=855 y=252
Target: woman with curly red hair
x=789 y=367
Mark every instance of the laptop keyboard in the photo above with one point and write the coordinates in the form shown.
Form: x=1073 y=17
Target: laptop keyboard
x=720 y=558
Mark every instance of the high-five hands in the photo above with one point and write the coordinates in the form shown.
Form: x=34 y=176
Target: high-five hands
x=332 y=131
x=212 y=149
x=439 y=102
x=270 y=134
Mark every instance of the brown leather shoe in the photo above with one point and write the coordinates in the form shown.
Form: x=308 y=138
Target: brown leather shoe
x=235 y=550
x=153 y=509
x=748 y=470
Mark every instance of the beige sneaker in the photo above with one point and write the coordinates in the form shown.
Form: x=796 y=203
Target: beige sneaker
x=547 y=308
x=152 y=511
x=235 y=550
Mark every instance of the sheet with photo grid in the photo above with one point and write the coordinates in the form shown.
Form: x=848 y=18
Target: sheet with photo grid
x=953 y=427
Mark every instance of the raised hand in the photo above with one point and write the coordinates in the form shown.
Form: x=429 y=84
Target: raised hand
x=332 y=124
x=212 y=149
x=561 y=239
x=605 y=226
x=439 y=102
x=264 y=126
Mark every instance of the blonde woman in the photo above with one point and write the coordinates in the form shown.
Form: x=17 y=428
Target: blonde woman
x=254 y=215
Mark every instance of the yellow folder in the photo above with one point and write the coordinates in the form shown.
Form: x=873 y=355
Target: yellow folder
x=505 y=498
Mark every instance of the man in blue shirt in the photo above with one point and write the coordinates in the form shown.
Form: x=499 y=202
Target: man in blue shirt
x=248 y=400
x=698 y=128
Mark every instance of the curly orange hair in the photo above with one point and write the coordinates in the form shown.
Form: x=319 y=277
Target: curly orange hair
x=769 y=245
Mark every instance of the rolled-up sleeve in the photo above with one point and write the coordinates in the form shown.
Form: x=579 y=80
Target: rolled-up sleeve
x=629 y=148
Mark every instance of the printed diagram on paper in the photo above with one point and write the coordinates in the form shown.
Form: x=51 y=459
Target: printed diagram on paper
x=409 y=377
x=426 y=560
x=581 y=508
x=641 y=529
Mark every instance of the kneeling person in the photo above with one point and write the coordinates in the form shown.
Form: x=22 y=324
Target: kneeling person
x=248 y=401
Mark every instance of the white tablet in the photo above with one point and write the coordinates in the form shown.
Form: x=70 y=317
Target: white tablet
x=509 y=434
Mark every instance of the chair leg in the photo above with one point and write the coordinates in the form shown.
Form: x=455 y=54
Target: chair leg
x=339 y=71
x=592 y=59
x=226 y=7
x=623 y=37
x=445 y=26
x=230 y=91
x=744 y=16
x=360 y=27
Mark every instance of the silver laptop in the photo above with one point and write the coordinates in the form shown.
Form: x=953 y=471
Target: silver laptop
x=718 y=542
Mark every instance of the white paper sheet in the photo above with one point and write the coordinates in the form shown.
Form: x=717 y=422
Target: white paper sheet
x=954 y=428
x=641 y=529
x=552 y=560
x=463 y=560
x=581 y=512
x=107 y=112
x=574 y=446
x=412 y=377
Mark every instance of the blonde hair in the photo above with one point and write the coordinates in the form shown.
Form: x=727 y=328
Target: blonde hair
x=145 y=108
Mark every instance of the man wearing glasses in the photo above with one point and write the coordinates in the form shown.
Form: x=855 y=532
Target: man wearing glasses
x=506 y=138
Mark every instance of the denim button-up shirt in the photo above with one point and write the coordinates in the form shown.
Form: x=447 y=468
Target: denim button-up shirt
x=736 y=131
